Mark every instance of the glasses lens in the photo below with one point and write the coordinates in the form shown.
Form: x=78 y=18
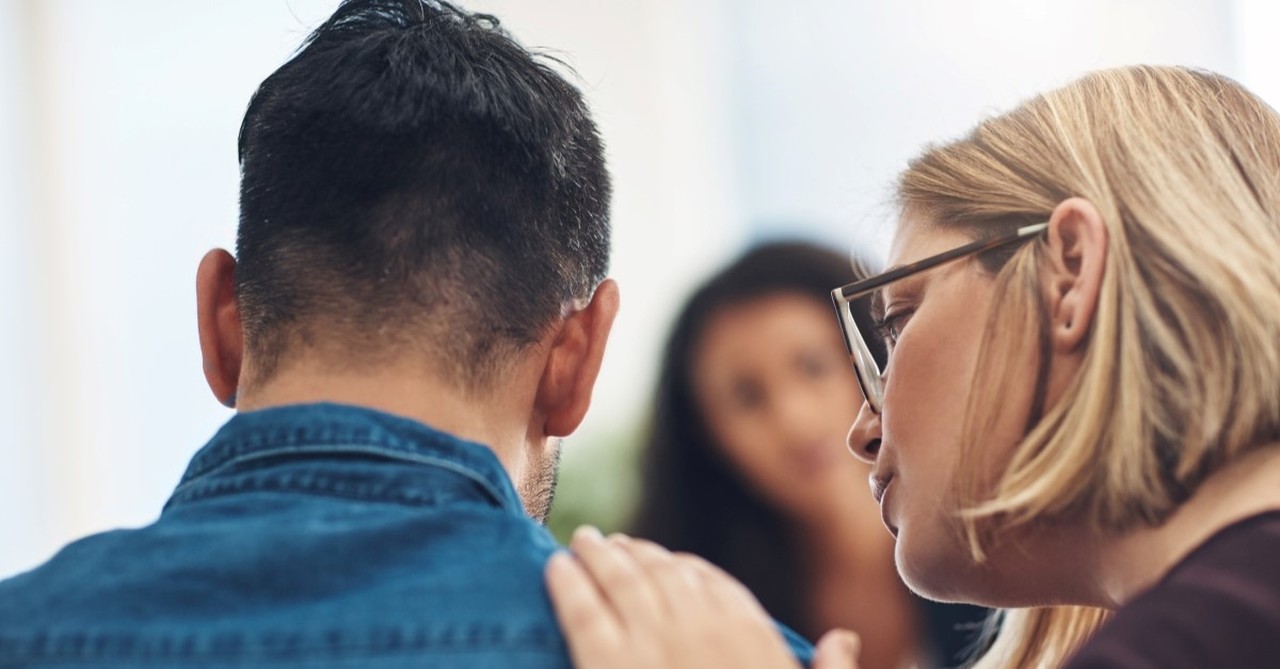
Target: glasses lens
x=860 y=354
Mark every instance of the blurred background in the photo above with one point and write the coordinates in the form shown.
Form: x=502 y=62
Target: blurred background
x=728 y=122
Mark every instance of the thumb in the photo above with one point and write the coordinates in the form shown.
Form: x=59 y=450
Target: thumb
x=837 y=649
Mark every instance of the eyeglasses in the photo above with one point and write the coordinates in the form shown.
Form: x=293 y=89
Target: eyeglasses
x=870 y=377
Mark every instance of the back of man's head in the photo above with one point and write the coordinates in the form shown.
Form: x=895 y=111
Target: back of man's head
x=413 y=180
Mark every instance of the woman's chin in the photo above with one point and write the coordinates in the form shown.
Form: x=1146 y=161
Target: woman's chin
x=942 y=574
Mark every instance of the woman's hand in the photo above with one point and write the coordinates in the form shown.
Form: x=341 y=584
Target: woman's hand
x=626 y=603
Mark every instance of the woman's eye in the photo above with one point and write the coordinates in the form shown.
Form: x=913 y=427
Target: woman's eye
x=746 y=396
x=891 y=327
x=815 y=365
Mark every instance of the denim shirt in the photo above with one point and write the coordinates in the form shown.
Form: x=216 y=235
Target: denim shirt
x=306 y=536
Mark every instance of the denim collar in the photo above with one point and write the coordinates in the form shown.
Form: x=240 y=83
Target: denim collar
x=335 y=429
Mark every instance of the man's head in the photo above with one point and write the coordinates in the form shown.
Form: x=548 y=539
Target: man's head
x=415 y=178
x=415 y=186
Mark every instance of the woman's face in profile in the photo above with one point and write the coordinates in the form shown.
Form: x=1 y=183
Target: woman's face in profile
x=936 y=322
x=773 y=381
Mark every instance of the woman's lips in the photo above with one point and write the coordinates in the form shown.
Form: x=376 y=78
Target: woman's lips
x=880 y=491
x=879 y=484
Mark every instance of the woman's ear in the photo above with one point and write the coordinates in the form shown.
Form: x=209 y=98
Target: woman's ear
x=1072 y=277
x=218 y=319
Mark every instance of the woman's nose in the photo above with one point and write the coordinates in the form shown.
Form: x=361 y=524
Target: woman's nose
x=864 y=436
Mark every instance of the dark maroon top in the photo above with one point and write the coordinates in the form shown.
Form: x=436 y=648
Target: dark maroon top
x=1219 y=607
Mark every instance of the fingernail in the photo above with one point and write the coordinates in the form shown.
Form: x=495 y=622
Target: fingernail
x=588 y=533
x=558 y=560
x=842 y=644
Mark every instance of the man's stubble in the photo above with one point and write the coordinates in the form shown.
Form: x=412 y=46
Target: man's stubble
x=538 y=487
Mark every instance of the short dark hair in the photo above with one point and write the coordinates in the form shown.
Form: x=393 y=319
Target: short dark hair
x=413 y=177
x=692 y=499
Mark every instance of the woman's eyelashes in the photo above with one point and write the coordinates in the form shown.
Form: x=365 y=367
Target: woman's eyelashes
x=899 y=304
x=889 y=328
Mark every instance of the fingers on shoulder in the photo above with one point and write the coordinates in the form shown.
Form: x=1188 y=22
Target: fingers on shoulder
x=580 y=607
x=622 y=581
x=725 y=590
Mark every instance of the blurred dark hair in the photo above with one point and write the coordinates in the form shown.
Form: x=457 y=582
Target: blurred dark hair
x=413 y=177
x=692 y=499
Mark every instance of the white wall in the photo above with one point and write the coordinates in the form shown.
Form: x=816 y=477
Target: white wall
x=833 y=98
x=119 y=128
x=724 y=119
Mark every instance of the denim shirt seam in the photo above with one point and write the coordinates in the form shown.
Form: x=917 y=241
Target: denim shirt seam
x=203 y=463
x=272 y=645
x=321 y=487
x=346 y=448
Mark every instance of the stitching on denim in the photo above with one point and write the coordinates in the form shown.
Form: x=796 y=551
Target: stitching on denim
x=203 y=463
x=488 y=487
x=310 y=484
x=278 y=644
x=372 y=436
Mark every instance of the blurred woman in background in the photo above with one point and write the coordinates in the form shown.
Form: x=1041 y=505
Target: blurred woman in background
x=745 y=462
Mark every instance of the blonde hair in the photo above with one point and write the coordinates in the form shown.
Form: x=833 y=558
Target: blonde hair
x=1181 y=372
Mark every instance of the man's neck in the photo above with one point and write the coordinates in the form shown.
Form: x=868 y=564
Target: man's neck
x=491 y=420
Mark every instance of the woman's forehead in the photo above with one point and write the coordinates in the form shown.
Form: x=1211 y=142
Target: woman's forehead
x=917 y=238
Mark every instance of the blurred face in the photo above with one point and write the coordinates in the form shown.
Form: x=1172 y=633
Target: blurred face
x=935 y=324
x=773 y=381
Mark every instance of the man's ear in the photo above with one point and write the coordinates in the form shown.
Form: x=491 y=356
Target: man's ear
x=1078 y=244
x=573 y=362
x=218 y=318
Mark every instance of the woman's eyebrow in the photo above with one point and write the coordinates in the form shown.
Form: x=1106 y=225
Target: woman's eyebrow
x=877 y=304
x=907 y=286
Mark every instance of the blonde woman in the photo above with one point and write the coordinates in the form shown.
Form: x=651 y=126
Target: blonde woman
x=1080 y=418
